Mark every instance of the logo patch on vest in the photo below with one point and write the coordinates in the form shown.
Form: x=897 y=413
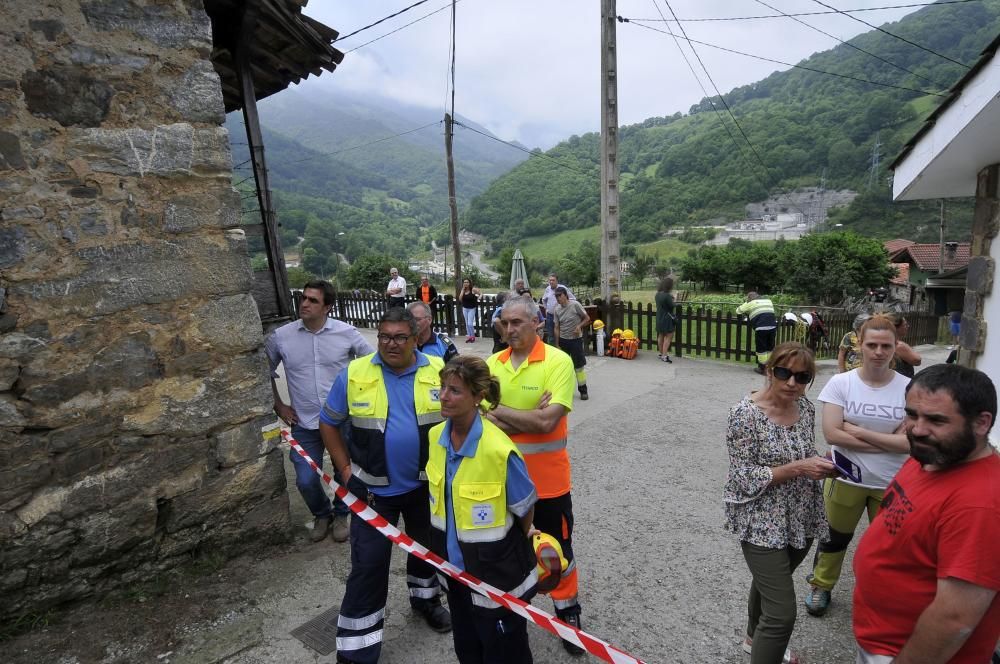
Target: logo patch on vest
x=482 y=515
x=360 y=404
x=435 y=394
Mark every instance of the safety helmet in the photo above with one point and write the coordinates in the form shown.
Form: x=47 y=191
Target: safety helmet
x=551 y=563
x=628 y=334
x=598 y=325
x=616 y=332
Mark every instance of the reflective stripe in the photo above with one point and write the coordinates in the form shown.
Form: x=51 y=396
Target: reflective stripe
x=529 y=582
x=332 y=414
x=349 y=643
x=429 y=418
x=425 y=593
x=521 y=508
x=376 y=423
x=358 y=624
x=486 y=534
x=426 y=583
x=570 y=568
x=443 y=580
x=538 y=448
x=565 y=603
x=367 y=478
x=438 y=522
x=422 y=475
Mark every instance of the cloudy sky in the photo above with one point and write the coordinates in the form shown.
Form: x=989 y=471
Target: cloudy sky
x=529 y=70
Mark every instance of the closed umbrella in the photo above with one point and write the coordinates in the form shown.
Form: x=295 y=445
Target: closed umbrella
x=518 y=270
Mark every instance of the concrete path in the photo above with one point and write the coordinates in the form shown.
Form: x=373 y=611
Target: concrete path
x=659 y=576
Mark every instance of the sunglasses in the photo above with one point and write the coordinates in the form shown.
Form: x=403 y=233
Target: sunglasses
x=784 y=373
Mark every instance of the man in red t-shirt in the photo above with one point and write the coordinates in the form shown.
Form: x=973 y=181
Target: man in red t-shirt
x=927 y=573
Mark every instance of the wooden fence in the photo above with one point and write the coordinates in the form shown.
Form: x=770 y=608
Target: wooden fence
x=700 y=331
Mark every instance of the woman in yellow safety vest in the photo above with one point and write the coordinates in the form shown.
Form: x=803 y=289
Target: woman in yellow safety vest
x=482 y=503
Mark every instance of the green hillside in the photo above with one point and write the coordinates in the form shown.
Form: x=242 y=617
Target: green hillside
x=684 y=169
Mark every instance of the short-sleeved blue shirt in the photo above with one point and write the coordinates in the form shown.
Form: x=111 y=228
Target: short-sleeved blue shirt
x=402 y=437
x=520 y=489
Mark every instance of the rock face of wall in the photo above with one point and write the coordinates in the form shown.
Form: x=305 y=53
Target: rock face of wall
x=132 y=384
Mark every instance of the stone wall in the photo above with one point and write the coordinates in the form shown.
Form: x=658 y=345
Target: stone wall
x=132 y=384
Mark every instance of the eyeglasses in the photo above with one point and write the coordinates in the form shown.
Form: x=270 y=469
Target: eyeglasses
x=784 y=373
x=398 y=339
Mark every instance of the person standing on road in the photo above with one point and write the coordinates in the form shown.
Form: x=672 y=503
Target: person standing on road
x=396 y=290
x=773 y=497
x=536 y=394
x=429 y=342
x=927 y=577
x=570 y=319
x=391 y=399
x=427 y=294
x=849 y=352
x=906 y=357
x=549 y=305
x=470 y=304
x=863 y=413
x=665 y=318
x=483 y=532
x=760 y=312
x=313 y=350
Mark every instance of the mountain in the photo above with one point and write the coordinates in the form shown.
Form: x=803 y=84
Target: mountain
x=380 y=197
x=804 y=126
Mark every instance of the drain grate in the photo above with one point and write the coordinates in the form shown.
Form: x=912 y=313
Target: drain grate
x=319 y=633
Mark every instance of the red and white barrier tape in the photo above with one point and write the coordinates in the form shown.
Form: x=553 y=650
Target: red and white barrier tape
x=595 y=646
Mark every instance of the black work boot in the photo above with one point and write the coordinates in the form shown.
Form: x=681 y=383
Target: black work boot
x=583 y=392
x=435 y=615
x=574 y=620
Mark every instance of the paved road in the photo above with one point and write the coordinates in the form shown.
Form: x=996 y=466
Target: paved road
x=659 y=576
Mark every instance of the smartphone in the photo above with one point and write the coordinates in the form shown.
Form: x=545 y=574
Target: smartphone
x=846 y=467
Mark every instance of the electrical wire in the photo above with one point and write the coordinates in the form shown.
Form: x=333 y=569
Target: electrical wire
x=815 y=13
x=780 y=62
x=522 y=149
x=903 y=39
x=854 y=46
x=381 y=20
x=405 y=25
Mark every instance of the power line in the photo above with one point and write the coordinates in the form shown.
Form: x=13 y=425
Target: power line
x=815 y=13
x=362 y=145
x=854 y=46
x=405 y=25
x=522 y=149
x=381 y=20
x=780 y=62
x=904 y=39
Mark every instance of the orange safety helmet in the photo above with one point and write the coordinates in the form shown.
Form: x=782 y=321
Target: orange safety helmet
x=551 y=562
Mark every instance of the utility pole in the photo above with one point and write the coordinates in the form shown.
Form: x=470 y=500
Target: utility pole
x=610 y=240
x=941 y=258
x=876 y=154
x=449 y=131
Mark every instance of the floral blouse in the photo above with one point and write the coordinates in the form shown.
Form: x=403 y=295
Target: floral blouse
x=772 y=516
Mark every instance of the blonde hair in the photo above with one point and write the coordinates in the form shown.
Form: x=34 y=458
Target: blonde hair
x=475 y=374
x=878 y=323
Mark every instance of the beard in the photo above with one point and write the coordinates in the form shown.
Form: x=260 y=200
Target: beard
x=943 y=453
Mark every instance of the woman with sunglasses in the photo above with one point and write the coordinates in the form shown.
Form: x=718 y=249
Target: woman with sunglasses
x=863 y=413
x=773 y=497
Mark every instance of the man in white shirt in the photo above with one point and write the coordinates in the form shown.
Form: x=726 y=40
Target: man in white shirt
x=313 y=350
x=549 y=304
x=396 y=289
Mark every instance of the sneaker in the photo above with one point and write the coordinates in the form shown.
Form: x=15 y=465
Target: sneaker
x=321 y=526
x=574 y=620
x=789 y=657
x=666 y=358
x=817 y=601
x=341 y=527
x=436 y=616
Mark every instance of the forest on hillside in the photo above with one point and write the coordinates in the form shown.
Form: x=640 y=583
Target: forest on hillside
x=804 y=127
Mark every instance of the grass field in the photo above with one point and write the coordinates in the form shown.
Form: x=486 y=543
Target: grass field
x=553 y=247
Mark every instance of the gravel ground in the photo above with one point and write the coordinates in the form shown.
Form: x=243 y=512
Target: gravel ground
x=659 y=577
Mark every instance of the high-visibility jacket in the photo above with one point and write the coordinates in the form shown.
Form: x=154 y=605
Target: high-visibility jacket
x=760 y=312
x=493 y=546
x=368 y=408
x=546 y=369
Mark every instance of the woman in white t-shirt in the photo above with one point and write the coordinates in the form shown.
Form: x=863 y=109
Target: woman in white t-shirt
x=863 y=413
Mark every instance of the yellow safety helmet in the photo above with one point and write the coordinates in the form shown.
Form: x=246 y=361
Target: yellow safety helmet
x=598 y=325
x=616 y=332
x=551 y=562
x=628 y=334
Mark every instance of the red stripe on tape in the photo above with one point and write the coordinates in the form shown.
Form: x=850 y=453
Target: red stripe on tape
x=546 y=621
